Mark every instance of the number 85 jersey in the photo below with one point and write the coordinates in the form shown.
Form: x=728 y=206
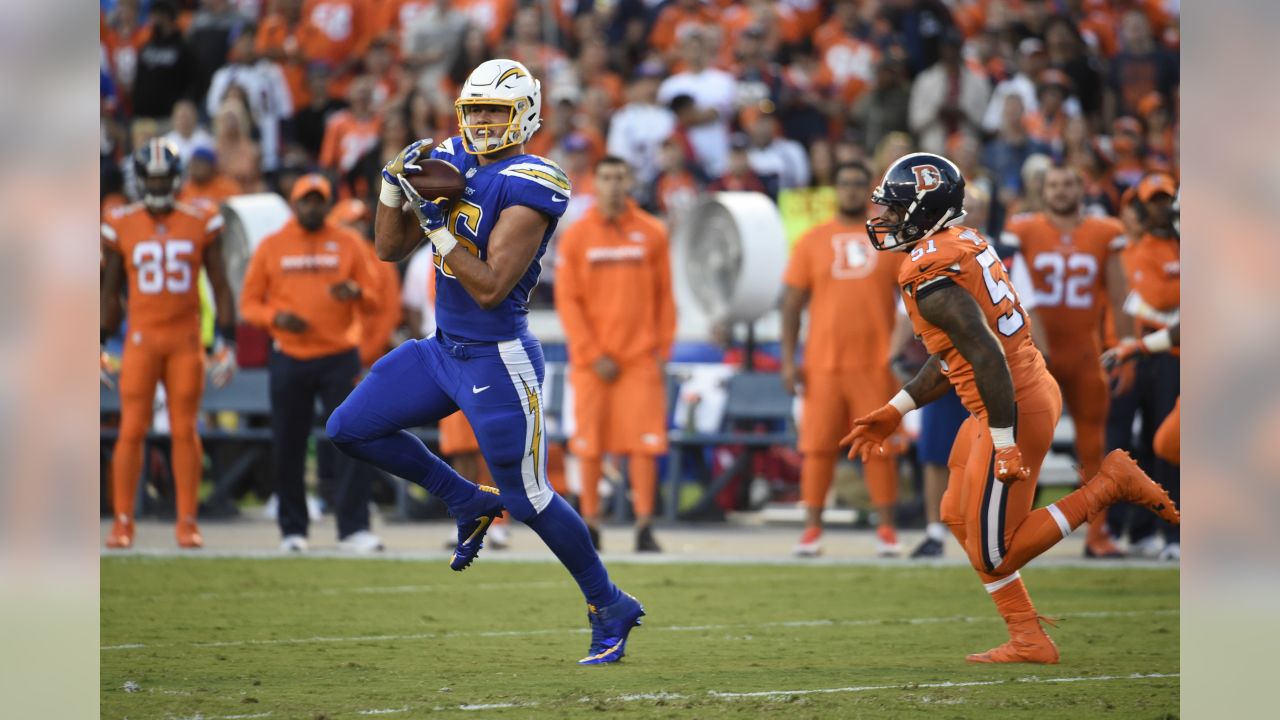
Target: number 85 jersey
x=959 y=256
x=162 y=256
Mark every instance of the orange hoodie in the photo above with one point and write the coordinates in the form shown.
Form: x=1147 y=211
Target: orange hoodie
x=613 y=287
x=293 y=270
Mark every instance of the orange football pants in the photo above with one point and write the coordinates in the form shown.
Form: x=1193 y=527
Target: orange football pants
x=992 y=520
x=176 y=358
x=1086 y=395
x=627 y=416
x=832 y=401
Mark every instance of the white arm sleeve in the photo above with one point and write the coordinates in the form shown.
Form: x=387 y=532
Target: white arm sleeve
x=1021 y=279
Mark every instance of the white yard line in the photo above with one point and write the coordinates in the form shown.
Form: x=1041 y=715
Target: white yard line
x=730 y=696
x=320 y=639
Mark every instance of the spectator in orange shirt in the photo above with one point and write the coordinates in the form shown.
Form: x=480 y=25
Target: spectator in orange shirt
x=1047 y=122
x=352 y=132
x=671 y=23
x=834 y=269
x=491 y=16
x=342 y=33
x=205 y=187
x=675 y=189
x=280 y=39
x=306 y=284
x=613 y=293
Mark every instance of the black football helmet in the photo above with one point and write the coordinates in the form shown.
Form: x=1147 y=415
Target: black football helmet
x=928 y=189
x=157 y=159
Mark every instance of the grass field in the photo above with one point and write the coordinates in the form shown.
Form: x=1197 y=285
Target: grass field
x=330 y=638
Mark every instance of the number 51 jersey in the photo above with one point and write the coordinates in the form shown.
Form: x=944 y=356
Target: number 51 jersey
x=961 y=257
x=162 y=255
x=528 y=180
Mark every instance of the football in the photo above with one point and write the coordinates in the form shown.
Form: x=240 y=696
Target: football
x=438 y=179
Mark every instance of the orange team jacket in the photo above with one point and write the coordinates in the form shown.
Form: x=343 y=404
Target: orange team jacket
x=162 y=258
x=613 y=287
x=377 y=324
x=293 y=270
x=346 y=138
x=210 y=195
x=964 y=257
x=1068 y=272
x=342 y=30
x=1154 y=267
x=853 y=299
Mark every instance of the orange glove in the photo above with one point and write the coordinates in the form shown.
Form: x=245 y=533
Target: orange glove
x=870 y=432
x=1008 y=464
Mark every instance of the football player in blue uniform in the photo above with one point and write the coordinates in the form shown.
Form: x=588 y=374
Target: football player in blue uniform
x=482 y=357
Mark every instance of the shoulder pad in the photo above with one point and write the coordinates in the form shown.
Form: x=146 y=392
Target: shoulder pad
x=540 y=171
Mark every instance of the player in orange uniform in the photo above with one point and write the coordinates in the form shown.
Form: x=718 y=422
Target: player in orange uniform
x=1073 y=260
x=158 y=247
x=965 y=310
x=846 y=374
x=613 y=293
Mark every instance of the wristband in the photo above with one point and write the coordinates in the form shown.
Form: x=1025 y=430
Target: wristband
x=1158 y=341
x=444 y=241
x=1002 y=437
x=903 y=402
x=391 y=195
x=226 y=334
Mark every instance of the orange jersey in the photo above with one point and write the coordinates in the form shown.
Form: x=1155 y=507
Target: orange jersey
x=1068 y=271
x=346 y=138
x=852 y=296
x=670 y=23
x=210 y=195
x=162 y=255
x=377 y=324
x=1154 y=268
x=964 y=256
x=294 y=270
x=342 y=30
x=613 y=287
x=275 y=34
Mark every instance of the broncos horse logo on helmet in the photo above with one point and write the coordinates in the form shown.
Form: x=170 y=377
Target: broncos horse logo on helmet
x=925 y=192
x=158 y=172
x=505 y=83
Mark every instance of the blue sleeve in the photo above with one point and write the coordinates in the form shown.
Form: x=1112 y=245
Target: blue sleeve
x=537 y=183
x=450 y=150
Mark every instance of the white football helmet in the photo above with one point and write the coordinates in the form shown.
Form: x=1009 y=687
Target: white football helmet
x=500 y=82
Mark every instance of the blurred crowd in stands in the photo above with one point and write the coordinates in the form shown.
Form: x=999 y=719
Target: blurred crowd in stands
x=698 y=95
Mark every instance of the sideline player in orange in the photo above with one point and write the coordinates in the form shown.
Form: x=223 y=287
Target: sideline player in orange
x=613 y=293
x=834 y=270
x=1073 y=260
x=158 y=247
x=963 y=307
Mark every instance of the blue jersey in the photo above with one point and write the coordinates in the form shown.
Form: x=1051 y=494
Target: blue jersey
x=519 y=180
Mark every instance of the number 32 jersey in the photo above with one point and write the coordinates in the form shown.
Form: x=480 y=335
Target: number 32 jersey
x=1068 y=271
x=528 y=180
x=162 y=255
x=962 y=257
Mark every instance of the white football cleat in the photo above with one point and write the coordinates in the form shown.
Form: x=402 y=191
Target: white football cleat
x=294 y=543
x=499 y=536
x=1172 y=552
x=810 y=544
x=361 y=542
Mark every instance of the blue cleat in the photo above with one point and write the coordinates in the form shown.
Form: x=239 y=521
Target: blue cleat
x=610 y=626
x=474 y=520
